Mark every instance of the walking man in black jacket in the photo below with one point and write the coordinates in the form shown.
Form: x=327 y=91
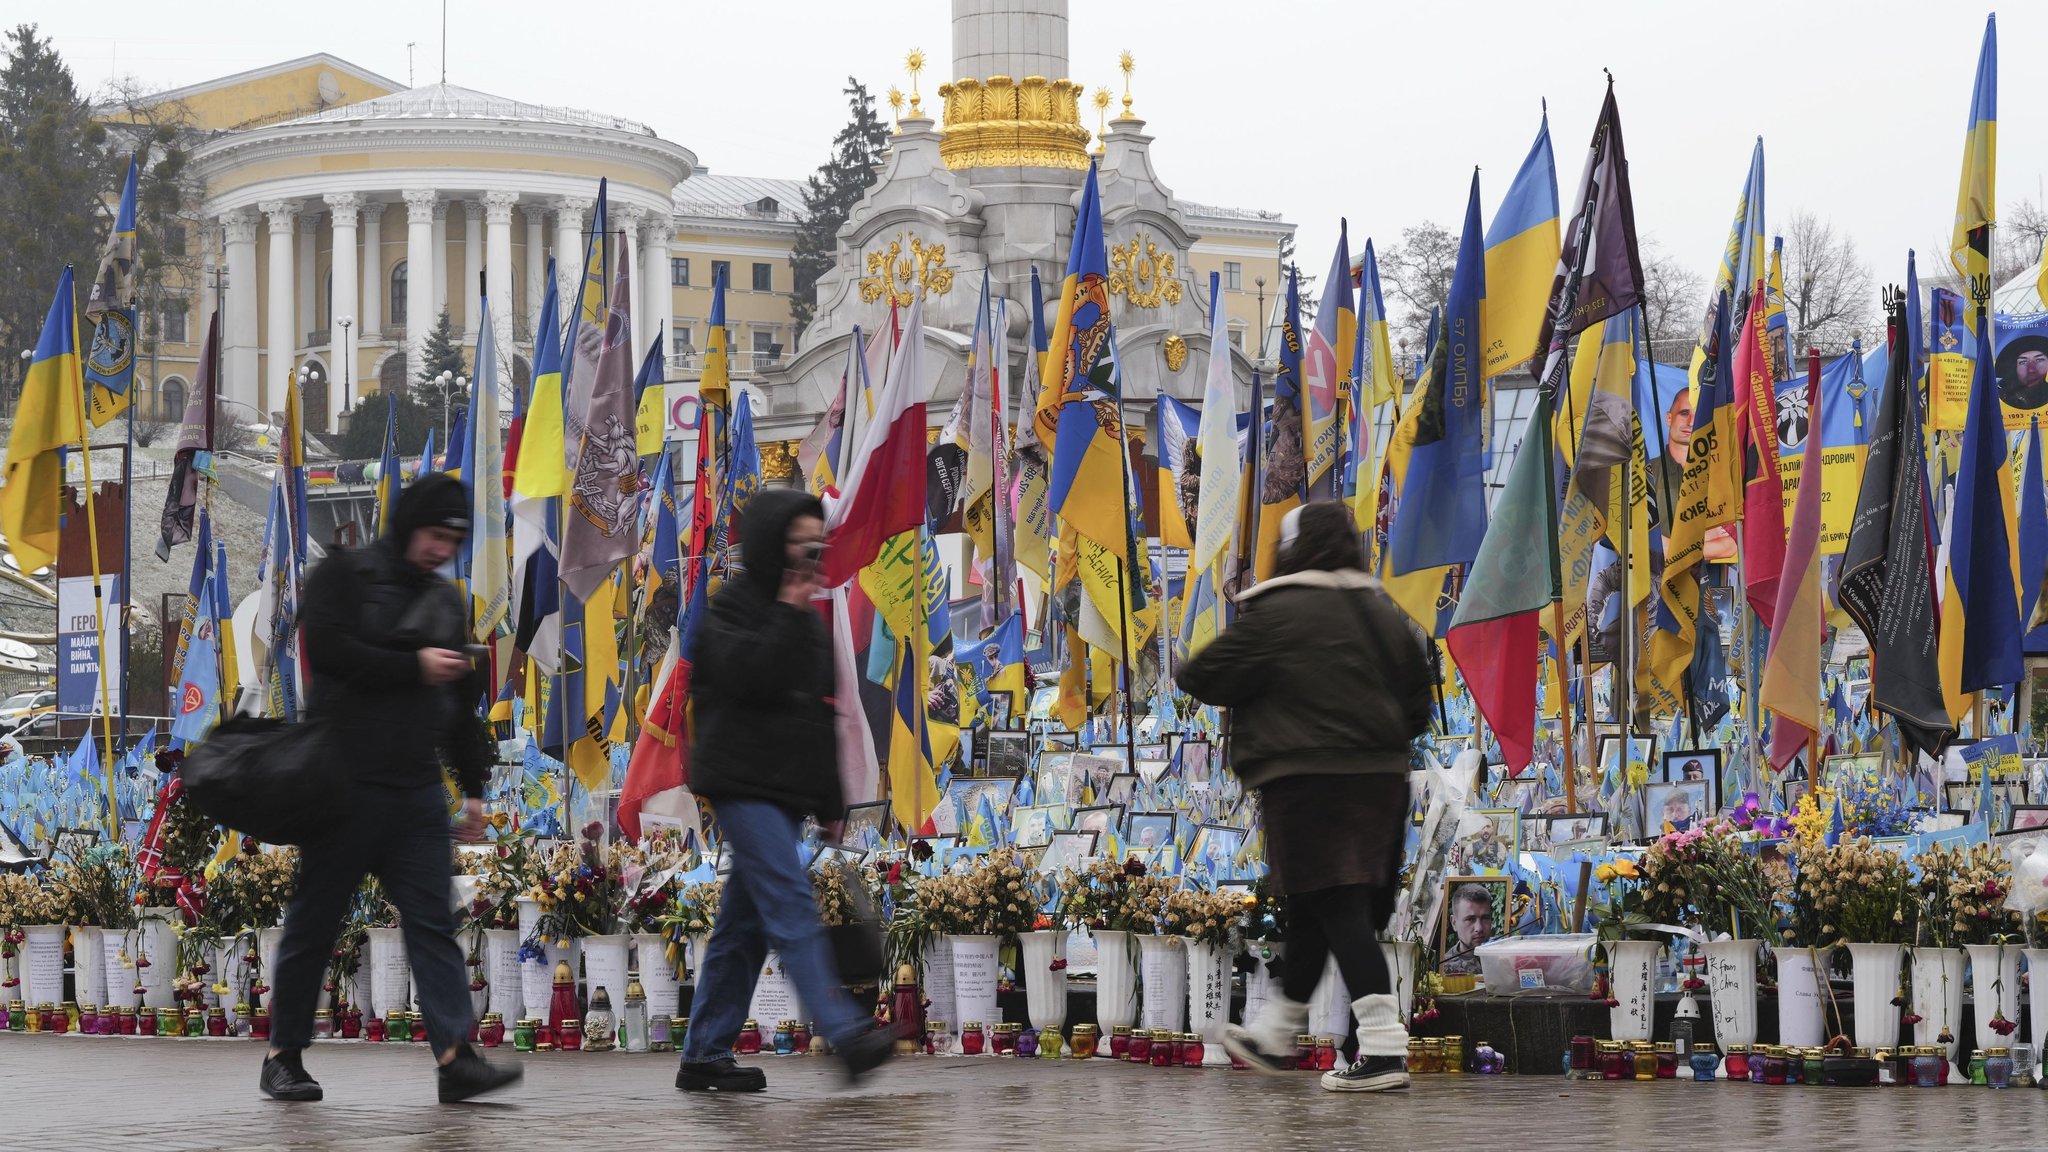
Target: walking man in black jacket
x=765 y=756
x=384 y=635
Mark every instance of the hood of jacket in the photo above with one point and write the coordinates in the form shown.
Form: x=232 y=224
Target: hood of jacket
x=764 y=534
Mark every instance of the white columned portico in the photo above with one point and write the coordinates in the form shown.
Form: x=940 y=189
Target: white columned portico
x=660 y=295
x=440 y=271
x=370 y=324
x=536 y=264
x=278 y=318
x=498 y=274
x=309 y=296
x=419 y=273
x=343 y=208
x=239 y=353
x=628 y=230
x=472 y=263
x=569 y=212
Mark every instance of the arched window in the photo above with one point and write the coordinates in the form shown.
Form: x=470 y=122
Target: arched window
x=391 y=374
x=398 y=282
x=170 y=400
x=522 y=374
x=313 y=397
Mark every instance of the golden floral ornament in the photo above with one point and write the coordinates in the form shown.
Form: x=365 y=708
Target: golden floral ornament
x=1176 y=353
x=913 y=62
x=1143 y=274
x=778 y=460
x=907 y=268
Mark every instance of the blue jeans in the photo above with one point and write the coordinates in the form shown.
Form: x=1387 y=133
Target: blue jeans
x=767 y=903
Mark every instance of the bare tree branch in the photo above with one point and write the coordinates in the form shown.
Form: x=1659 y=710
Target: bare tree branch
x=1419 y=270
x=1674 y=297
x=1829 y=294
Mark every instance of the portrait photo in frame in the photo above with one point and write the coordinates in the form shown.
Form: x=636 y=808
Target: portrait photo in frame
x=1476 y=909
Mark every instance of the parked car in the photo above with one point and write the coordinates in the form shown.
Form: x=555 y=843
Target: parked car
x=19 y=707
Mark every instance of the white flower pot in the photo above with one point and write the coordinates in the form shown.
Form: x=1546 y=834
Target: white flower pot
x=117 y=954
x=1208 y=997
x=1802 y=996
x=1937 y=994
x=1631 y=964
x=1329 y=1007
x=1163 y=976
x=390 y=971
x=1994 y=989
x=938 y=983
x=974 y=980
x=604 y=966
x=1874 y=969
x=1402 y=958
x=501 y=971
x=775 y=997
x=231 y=967
x=1731 y=988
x=2037 y=997
x=1116 y=986
x=41 y=964
x=1045 y=991
x=88 y=965
x=268 y=940
x=159 y=943
x=657 y=974
x=1262 y=983
x=537 y=976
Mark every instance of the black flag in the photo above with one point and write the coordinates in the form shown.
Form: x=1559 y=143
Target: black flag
x=1887 y=582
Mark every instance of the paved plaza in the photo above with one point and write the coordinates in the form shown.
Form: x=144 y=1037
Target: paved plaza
x=79 y=1092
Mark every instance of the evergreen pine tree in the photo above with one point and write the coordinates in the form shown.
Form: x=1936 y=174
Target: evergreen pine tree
x=441 y=353
x=832 y=192
x=54 y=174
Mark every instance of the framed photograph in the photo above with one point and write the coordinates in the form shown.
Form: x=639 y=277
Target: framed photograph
x=1152 y=772
x=1566 y=830
x=967 y=795
x=1215 y=847
x=1152 y=829
x=1033 y=826
x=73 y=843
x=1641 y=750
x=1959 y=797
x=1486 y=841
x=864 y=825
x=1043 y=701
x=1794 y=791
x=1519 y=793
x=1008 y=753
x=1103 y=820
x=2026 y=817
x=1116 y=752
x=1122 y=791
x=1475 y=910
x=1675 y=807
x=997 y=710
x=1846 y=773
x=1685 y=765
x=1093 y=772
x=1068 y=850
x=1195 y=764
x=1156 y=750
x=1055 y=783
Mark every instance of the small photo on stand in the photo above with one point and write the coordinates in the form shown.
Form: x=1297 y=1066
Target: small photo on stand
x=1195 y=764
x=1669 y=808
x=1103 y=820
x=1152 y=830
x=1215 y=847
x=1553 y=832
x=1486 y=840
x=1032 y=827
x=1689 y=765
x=1055 y=784
x=1122 y=790
x=2027 y=817
x=1008 y=753
x=1068 y=851
x=865 y=824
x=1475 y=910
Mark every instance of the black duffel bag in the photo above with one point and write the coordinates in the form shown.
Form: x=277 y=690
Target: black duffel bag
x=278 y=782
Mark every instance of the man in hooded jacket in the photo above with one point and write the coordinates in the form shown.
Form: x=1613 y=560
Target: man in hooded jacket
x=384 y=638
x=765 y=755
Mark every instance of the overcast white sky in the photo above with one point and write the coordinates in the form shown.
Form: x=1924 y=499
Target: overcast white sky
x=1314 y=109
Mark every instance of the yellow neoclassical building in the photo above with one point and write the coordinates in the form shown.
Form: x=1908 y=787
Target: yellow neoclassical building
x=342 y=212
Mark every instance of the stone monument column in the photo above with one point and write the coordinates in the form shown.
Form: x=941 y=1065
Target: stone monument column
x=1014 y=38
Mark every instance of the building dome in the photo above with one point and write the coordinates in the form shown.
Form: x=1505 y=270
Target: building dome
x=453 y=102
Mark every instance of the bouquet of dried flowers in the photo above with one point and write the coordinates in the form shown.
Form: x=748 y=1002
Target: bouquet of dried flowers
x=24 y=900
x=1962 y=896
x=1853 y=892
x=504 y=872
x=250 y=892
x=837 y=904
x=97 y=886
x=1002 y=899
x=584 y=888
x=1212 y=917
x=1109 y=897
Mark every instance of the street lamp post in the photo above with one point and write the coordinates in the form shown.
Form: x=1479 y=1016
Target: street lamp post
x=309 y=375
x=450 y=383
x=347 y=381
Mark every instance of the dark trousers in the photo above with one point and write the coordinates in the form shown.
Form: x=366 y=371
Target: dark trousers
x=1345 y=921
x=402 y=836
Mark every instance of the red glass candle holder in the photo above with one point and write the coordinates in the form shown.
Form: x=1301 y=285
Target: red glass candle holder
x=1139 y=1050
x=1119 y=1043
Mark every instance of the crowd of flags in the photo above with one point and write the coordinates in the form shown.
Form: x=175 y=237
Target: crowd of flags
x=596 y=545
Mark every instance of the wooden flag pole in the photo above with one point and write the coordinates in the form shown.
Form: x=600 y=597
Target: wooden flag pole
x=1564 y=711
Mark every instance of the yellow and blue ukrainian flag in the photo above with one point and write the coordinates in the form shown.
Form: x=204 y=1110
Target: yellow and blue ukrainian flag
x=390 y=473
x=1326 y=372
x=47 y=419
x=1976 y=198
x=1521 y=259
x=1077 y=403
